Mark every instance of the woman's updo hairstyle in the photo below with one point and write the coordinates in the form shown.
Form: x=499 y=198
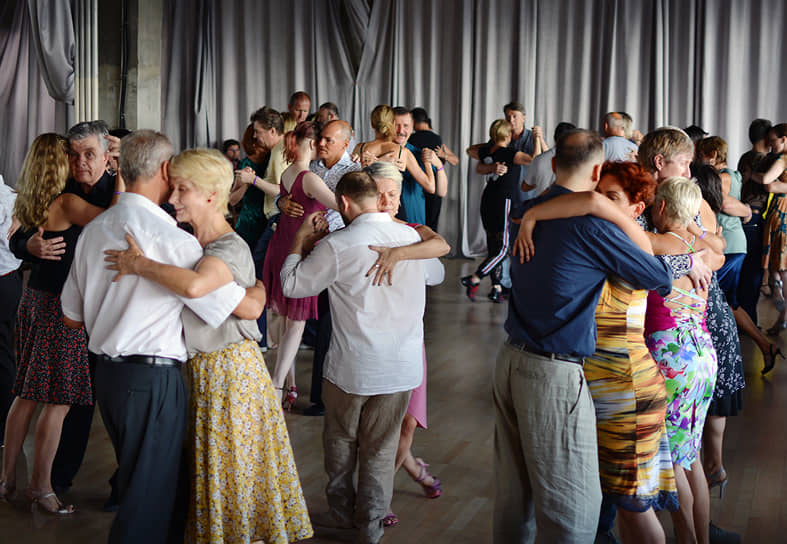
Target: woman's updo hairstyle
x=305 y=129
x=383 y=120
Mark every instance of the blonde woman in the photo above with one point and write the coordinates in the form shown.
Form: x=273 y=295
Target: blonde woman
x=244 y=483
x=384 y=148
x=52 y=359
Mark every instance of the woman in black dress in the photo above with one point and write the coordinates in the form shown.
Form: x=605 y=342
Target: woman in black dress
x=52 y=359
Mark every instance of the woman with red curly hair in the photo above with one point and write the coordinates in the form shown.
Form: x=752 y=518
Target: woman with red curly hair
x=628 y=391
x=310 y=191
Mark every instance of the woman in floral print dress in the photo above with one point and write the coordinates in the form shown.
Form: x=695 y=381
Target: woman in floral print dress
x=244 y=483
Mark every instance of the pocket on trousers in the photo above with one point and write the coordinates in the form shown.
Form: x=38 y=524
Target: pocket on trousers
x=580 y=392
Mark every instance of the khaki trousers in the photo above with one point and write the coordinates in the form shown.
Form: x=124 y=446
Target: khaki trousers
x=546 y=459
x=361 y=431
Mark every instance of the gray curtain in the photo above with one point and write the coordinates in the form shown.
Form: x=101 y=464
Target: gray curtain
x=714 y=63
x=36 y=76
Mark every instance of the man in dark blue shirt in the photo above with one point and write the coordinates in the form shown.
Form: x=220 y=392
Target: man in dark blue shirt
x=546 y=457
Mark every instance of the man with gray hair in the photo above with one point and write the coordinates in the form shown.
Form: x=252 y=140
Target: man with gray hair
x=90 y=148
x=136 y=334
x=617 y=147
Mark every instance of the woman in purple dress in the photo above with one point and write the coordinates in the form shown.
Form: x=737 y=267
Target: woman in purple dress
x=310 y=191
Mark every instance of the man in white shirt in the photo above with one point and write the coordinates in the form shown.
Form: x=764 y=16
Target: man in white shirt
x=376 y=351
x=10 y=293
x=134 y=329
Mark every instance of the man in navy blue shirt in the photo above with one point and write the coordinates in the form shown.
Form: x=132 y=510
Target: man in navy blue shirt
x=546 y=458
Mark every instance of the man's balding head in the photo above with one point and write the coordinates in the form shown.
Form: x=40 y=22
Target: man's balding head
x=577 y=155
x=613 y=124
x=334 y=139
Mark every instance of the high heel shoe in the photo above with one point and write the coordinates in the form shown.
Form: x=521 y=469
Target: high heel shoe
x=6 y=492
x=716 y=480
x=431 y=491
x=770 y=359
x=49 y=503
x=778 y=327
x=289 y=400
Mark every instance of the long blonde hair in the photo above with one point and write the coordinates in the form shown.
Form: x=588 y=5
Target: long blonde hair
x=43 y=177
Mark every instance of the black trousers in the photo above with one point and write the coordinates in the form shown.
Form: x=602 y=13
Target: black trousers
x=433 y=205
x=144 y=410
x=324 y=330
x=74 y=438
x=10 y=293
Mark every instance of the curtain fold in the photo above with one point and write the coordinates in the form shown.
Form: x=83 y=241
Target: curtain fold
x=717 y=64
x=52 y=27
x=26 y=108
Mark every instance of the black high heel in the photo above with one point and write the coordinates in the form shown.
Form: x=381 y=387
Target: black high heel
x=772 y=353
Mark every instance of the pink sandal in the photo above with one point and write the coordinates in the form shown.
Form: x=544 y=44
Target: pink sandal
x=390 y=520
x=431 y=491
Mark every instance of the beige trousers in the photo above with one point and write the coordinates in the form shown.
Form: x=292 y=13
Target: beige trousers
x=546 y=459
x=361 y=431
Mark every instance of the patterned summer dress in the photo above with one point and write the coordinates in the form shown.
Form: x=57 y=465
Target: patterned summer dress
x=683 y=349
x=631 y=402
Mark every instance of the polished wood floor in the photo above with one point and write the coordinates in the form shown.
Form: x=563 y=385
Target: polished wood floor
x=462 y=339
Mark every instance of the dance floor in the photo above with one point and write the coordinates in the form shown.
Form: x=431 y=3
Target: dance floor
x=462 y=340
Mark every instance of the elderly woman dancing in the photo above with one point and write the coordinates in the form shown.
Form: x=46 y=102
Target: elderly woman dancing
x=244 y=483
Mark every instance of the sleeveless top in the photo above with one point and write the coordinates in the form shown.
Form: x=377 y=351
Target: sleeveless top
x=732 y=227
x=50 y=276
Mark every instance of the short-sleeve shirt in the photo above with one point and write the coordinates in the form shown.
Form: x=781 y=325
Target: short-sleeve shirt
x=232 y=251
x=618 y=149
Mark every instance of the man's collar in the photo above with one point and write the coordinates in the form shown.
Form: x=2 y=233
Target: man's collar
x=134 y=199
x=372 y=217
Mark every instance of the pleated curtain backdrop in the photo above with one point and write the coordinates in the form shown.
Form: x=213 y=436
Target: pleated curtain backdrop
x=716 y=63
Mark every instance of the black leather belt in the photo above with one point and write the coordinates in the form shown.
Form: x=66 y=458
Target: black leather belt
x=149 y=360
x=548 y=354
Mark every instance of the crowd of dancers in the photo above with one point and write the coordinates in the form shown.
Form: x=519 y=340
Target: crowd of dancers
x=611 y=383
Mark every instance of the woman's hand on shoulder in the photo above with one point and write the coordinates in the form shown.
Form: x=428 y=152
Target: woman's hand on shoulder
x=123 y=261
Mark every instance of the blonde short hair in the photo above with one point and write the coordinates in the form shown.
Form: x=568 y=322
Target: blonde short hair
x=384 y=170
x=665 y=141
x=682 y=198
x=499 y=131
x=208 y=170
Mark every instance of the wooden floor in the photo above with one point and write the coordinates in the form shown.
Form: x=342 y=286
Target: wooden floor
x=462 y=339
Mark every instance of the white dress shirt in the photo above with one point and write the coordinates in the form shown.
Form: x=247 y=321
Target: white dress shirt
x=331 y=177
x=377 y=341
x=135 y=316
x=8 y=263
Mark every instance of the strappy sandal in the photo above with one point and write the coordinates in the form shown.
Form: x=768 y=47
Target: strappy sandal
x=49 y=503
x=431 y=491
x=390 y=520
x=6 y=492
x=770 y=358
